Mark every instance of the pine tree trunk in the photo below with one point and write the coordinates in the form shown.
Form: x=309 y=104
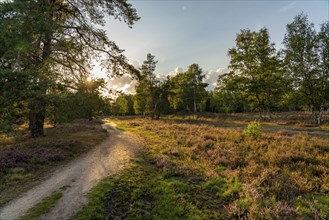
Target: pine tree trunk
x=317 y=113
x=37 y=117
x=37 y=104
x=194 y=101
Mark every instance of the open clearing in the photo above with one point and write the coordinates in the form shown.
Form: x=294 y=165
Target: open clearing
x=199 y=167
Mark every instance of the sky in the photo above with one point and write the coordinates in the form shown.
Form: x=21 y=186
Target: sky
x=180 y=33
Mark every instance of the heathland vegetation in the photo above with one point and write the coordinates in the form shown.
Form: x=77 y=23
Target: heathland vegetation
x=256 y=147
x=217 y=167
x=25 y=161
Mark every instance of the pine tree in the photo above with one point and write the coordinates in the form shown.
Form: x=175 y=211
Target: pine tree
x=55 y=41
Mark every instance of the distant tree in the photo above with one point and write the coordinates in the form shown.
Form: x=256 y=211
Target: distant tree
x=306 y=61
x=229 y=96
x=148 y=90
x=121 y=105
x=130 y=101
x=199 y=87
x=162 y=95
x=55 y=41
x=188 y=90
x=323 y=43
x=215 y=101
x=141 y=100
x=87 y=100
x=180 y=93
x=256 y=70
x=14 y=91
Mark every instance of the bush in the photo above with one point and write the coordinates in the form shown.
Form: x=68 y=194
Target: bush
x=253 y=129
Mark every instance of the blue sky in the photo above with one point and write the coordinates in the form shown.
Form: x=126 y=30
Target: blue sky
x=180 y=33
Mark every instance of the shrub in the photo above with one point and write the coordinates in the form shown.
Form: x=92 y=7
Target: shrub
x=253 y=129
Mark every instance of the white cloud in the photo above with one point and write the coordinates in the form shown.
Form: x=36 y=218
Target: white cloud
x=211 y=77
x=161 y=77
x=176 y=71
x=184 y=8
x=127 y=85
x=288 y=6
x=135 y=63
x=123 y=83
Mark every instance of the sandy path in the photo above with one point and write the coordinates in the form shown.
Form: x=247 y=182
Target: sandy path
x=78 y=177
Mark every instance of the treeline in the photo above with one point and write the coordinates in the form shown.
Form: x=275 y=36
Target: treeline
x=261 y=79
x=45 y=64
x=183 y=92
x=62 y=103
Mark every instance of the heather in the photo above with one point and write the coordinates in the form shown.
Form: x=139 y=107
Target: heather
x=209 y=171
x=24 y=161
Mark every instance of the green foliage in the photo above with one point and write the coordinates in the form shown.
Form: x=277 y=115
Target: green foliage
x=187 y=90
x=54 y=43
x=87 y=101
x=14 y=92
x=142 y=98
x=306 y=61
x=256 y=74
x=151 y=94
x=228 y=96
x=140 y=192
x=313 y=205
x=223 y=188
x=253 y=129
x=95 y=208
x=121 y=105
x=146 y=88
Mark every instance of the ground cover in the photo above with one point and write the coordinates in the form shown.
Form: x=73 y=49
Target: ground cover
x=43 y=207
x=25 y=162
x=194 y=168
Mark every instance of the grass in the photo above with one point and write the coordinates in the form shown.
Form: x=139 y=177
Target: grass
x=43 y=207
x=140 y=193
x=194 y=168
x=24 y=161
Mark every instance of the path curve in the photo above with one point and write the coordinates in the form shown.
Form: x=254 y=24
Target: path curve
x=78 y=177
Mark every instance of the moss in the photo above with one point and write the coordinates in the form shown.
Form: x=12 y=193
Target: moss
x=141 y=192
x=43 y=207
x=313 y=206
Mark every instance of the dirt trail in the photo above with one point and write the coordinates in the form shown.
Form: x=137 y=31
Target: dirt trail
x=78 y=177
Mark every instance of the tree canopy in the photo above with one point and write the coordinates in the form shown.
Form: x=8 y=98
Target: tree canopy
x=48 y=47
x=54 y=42
x=255 y=70
x=306 y=61
x=188 y=89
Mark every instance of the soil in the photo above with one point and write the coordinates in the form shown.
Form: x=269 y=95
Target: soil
x=78 y=177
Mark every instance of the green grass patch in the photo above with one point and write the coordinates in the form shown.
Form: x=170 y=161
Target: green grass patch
x=313 y=206
x=42 y=207
x=145 y=192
